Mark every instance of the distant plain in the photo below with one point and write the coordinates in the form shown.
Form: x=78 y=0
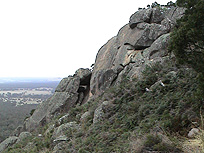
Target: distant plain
x=18 y=96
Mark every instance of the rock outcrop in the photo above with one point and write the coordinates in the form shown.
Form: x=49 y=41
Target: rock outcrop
x=140 y=43
x=69 y=92
x=8 y=142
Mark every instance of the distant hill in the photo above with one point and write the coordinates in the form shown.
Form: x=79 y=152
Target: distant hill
x=13 y=83
x=28 y=79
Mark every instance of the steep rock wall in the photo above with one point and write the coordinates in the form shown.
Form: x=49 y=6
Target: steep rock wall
x=143 y=41
x=70 y=91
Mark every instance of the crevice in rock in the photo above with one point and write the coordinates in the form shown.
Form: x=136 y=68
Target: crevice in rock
x=133 y=25
x=118 y=72
x=173 y=12
x=43 y=121
x=83 y=90
x=86 y=94
x=142 y=53
x=137 y=47
x=150 y=17
x=131 y=47
x=122 y=66
x=152 y=53
x=114 y=80
x=85 y=80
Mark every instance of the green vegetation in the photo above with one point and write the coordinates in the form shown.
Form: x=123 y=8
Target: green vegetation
x=32 y=111
x=11 y=117
x=36 y=144
x=134 y=113
x=187 y=39
x=14 y=108
x=137 y=110
x=156 y=4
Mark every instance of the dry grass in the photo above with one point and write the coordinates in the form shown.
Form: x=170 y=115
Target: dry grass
x=195 y=145
x=136 y=145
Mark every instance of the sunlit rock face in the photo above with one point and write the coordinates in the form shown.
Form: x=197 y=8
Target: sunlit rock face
x=143 y=41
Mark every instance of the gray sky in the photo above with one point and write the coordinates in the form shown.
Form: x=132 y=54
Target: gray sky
x=53 y=38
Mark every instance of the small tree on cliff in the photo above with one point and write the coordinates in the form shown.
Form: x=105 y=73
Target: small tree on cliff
x=170 y=4
x=187 y=39
x=155 y=4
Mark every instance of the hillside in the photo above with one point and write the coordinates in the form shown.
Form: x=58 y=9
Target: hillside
x=137 y=98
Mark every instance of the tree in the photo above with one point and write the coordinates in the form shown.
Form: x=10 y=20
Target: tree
x=148 y=6
x=155 y=4
x=187 y=39
x=170 y=4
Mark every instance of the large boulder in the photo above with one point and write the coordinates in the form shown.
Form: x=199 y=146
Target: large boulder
x=83 y=73
x=63 y=84
x=120 y=50
x=145 y=28
x=73 y=85
x=193 y=132
x=18 y=130
x=104 y=110
x=70 y=83
x=141 y=36
x=127 y=53
x=68 y=93
x=102 y=80
x=152 y=15
x=23 y=136
x=64 y=131
x=157 y=15
x=158 y=48
x=59 y=102
x=171 y=15
x=140 y=59
x=99 y=113
x=8 y=142
x=139 y=17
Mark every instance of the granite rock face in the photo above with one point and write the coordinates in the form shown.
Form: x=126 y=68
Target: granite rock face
x=66 y=96
x=171 y=16
x=141 y=42
x=8 y=142
x=151 y=15
x=23 y=136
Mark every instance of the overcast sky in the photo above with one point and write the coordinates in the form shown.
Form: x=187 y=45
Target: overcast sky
x=53 y=38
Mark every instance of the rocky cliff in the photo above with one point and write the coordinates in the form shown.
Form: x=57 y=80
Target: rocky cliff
x=134 y=100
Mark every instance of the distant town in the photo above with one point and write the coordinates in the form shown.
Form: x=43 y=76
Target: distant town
x=23 y=96
x=20 y=96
